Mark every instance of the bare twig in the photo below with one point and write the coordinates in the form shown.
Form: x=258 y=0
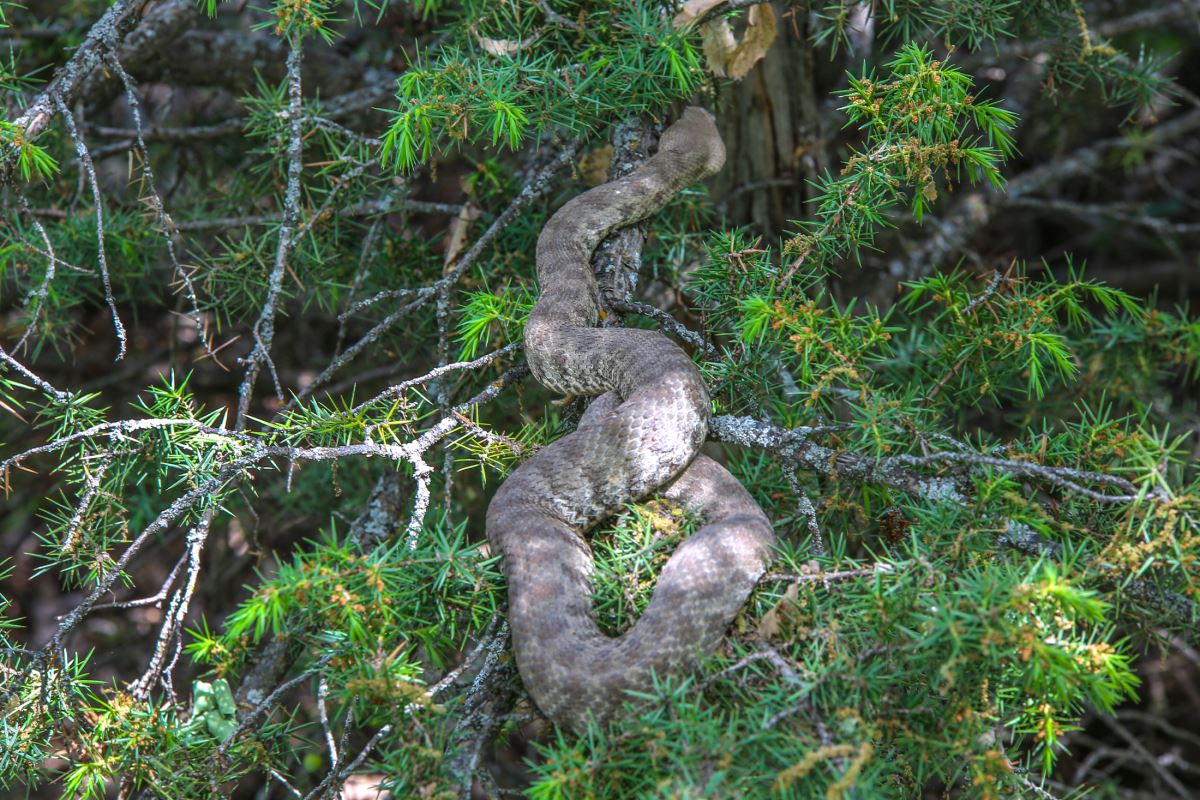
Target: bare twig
x=386 y=294
x=1063 y=477
x=154 y=600
x=531 y=191
x=438 y=391
x=28 y=375
x=363 y=208
x=337 y=777
x=171 y=629
x=39 y=295
x=826 y=578
x=668 y=323
x=277 y=775
x=323 y=714
x=435 y=434
x=776 y=659
x=264 y=328
x=485 y=704
x=89 y=169
x=351 y=352
x=450 y=677
x=247 y=721
x=393 y=392
x=804 y=506
x=165 y=223
x=360 y=277
x=981 y=298
x=93 y=479
x=555 y=18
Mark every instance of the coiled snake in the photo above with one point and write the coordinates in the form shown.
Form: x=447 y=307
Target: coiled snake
x=641 y=436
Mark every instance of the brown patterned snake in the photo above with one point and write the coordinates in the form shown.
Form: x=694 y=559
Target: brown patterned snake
x=643 y=435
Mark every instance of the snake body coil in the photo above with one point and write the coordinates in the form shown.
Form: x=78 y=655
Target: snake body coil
x=643 y=435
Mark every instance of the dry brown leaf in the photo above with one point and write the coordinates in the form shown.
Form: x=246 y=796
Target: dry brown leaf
x=593 y=167
x=459 y=226
x=505 y=48
x=761 y=31
x=772 y=621
x=726 y=54
x=718 y=42
x=694 y=9
x=13 y=411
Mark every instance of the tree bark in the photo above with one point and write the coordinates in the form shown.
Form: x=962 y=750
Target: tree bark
x=771 y=122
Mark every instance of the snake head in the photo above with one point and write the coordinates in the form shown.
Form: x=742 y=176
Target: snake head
x=695 y=132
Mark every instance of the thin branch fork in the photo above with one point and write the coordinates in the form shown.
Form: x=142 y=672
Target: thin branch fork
x=535 y=188
x=394 y=392
x=38 y=296
x=337 y=776
x=154 y=600
x=159 y=669
x=486 y=703
x=248 y=459
x=667 y=322
x=267 y=702
x=158 y=205
x=106 y=34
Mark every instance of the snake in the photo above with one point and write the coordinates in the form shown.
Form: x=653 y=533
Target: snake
x=640 y=436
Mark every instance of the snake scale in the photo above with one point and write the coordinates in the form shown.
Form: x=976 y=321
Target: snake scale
x=641 y=435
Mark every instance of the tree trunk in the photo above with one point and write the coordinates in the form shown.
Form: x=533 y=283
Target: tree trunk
x=772 y=128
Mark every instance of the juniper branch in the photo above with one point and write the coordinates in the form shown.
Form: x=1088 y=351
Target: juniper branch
x=537 y=185
x=63 y=88
x=796 y=447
